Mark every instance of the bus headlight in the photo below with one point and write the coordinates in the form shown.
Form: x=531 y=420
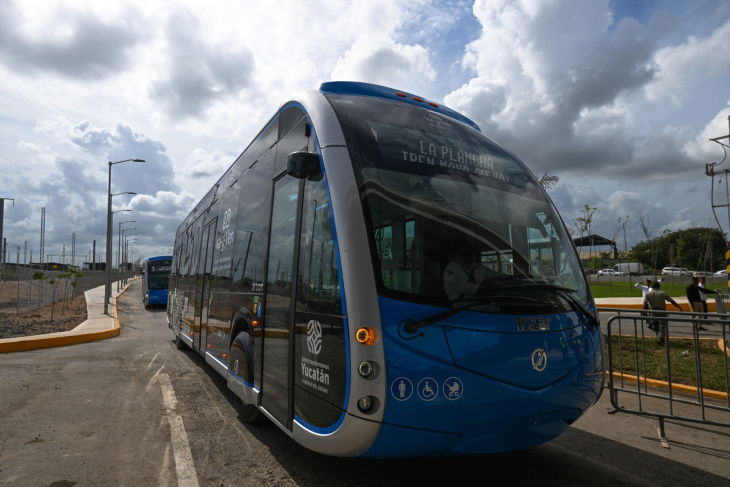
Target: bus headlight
x=365 y=403
x=366 y=369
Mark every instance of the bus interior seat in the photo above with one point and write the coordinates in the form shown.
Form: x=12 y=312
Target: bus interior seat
x=436 y=260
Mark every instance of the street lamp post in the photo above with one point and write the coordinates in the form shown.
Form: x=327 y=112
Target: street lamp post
x=123 y=256
x=119 y=248
x=108 y=285
x=126 y=255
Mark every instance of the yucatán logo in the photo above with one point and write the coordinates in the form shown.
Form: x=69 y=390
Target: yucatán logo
x=314 y=337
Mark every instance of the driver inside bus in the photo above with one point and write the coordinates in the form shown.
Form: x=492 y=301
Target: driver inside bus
x=463 y=275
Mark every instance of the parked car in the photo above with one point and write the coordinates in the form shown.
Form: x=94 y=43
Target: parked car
x=675 y=271
x=704 y=274
x=721 y=273
x=610 y=272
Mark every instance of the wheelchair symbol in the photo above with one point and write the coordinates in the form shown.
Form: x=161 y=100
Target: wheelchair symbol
x=428 y=389
x=453 y=388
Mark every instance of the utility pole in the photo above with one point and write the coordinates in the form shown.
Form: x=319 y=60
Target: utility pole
x=712 y=171
x=2 y=215
x=43 y=234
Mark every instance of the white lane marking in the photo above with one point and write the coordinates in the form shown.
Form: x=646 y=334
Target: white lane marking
x=184 y=466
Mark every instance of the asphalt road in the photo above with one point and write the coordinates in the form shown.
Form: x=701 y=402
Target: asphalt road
x=133 y=410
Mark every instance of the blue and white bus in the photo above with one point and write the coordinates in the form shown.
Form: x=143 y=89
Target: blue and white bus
x=156 y=280
x=319 y=276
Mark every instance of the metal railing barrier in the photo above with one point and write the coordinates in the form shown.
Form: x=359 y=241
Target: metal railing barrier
x=645 y=374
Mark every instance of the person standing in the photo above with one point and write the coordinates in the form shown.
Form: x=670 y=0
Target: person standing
x=703 y=295
x=657 y=300
x=645 y=289
x=694 y=296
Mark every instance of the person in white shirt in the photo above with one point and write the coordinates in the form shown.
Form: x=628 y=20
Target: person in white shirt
x=703 y=296
x=645 y=289
x=462 y=276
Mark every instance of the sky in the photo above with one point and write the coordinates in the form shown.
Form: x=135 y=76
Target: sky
x=617 y=98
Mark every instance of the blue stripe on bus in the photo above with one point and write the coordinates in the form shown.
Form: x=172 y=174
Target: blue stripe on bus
x=240 y=379
x=339 y=267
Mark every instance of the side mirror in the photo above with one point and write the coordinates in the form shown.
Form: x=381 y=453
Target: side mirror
x=303 y=165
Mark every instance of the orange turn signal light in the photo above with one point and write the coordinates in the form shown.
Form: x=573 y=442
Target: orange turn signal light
x=367 y=336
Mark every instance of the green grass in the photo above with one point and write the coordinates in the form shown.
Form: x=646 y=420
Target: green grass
x=653 y=363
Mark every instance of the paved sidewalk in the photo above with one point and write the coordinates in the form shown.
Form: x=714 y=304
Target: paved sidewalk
x=97 y=326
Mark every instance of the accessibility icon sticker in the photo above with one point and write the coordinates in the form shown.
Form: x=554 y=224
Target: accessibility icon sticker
x=428 y=389
x=453 y=388
x=401 y=388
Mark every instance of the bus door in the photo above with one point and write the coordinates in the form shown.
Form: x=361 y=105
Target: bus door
x=277 y=382
x=207 y=248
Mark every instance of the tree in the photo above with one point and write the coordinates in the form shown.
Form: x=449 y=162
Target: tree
x=548 y=181
x=690 y=248
x=584 y=224
x=643 y=221
x=40 y=276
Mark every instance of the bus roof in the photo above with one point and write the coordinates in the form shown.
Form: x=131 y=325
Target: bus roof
x=368 y=89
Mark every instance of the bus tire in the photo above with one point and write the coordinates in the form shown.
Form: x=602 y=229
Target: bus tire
x=240 y=357
x=179 y=344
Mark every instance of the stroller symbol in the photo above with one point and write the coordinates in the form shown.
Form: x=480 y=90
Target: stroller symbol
x=453 y=388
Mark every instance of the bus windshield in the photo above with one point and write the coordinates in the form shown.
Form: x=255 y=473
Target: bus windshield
x=443 y=202
x=158 y=274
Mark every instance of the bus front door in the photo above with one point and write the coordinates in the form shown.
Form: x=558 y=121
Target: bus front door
x=277 y=375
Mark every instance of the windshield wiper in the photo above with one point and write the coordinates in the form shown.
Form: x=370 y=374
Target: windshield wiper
x=413 y=326
x=592 y=319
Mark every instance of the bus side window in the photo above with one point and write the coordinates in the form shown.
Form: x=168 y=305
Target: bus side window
x=296 y=140
x=225 y=233
x=319 y=279
x=252 y=226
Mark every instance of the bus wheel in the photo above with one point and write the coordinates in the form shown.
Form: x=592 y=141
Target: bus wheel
x=240 y=362
x=179 y=344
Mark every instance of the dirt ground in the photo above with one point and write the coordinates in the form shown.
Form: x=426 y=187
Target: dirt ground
x=66 y=316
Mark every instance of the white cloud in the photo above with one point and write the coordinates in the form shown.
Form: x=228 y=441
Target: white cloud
x=186 y=85
x=386 y=63
x=679 y=67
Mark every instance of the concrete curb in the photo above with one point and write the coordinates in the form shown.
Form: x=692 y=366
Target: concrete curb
x=636 y=303
x=665 y=385
x=98 y=326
